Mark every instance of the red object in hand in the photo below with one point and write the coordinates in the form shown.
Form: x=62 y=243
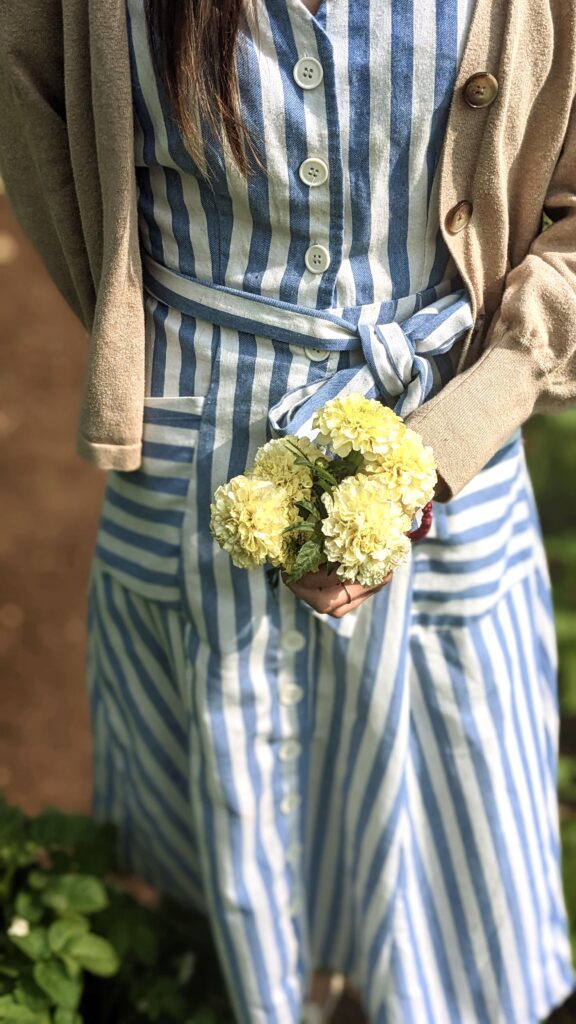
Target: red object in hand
x=424 y=528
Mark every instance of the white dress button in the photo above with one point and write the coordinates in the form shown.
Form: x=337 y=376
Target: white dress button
x=308 y=72
x=290 y=693
x=294 y=908
x=289 y=803
x=313 y=171
x=317 y=258
x=293 y=640
x=289 y=750
x=293 y=853
x=317 y=355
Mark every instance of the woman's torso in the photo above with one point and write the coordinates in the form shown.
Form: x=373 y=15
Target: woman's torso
x=374 y=121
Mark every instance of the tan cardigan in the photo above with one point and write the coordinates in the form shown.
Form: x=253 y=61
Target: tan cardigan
x=66 y=154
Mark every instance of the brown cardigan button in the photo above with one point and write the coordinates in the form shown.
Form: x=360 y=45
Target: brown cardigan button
x=481 y=89
x=458 y=217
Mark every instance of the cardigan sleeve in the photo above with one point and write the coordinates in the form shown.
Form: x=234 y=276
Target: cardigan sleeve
x=35 y=159
x=529 y=352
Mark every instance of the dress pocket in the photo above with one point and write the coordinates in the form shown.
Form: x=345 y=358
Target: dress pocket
x=139 y=535
x=481 y=543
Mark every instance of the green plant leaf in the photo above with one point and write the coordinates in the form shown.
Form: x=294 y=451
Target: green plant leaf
x=90 y=845
x=39 y=879
x=66 y=1017
x=161 y=1000
x=28 y=906
x=65 y=931
x=145 y=943
x=83 y=893
x=12 y=824
x=308 y=559
x=34 y=945
x=27 y=993
x=14 y=1013
x=55 y=982
x=95 y=954
x=308 y=506
x=73 y=968
x=303 y=527
x=204 y=1016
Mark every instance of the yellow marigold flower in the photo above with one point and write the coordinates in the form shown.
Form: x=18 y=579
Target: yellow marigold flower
x=247 y=520
x=364 y=531
x=409 y=470
x=275 y=461
x=359 y=424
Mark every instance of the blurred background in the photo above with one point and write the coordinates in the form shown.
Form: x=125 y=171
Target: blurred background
x=49 y=509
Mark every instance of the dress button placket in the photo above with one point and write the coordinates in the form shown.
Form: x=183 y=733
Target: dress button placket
x=314 y=170
x=290 y=753
x=292 y=643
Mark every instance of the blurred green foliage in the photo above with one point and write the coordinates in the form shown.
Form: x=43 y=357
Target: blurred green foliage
x=551 y=451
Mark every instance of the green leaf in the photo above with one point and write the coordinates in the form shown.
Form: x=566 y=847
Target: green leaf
x=12 y=823
x=322 y=474
x=28 y=906
x=303 y=527
x=308 y=506
x=54 y=981
x=75 y=892
x=90 y=845
x=27 y=993
x=14 y=1013
x=34 y=945
x=39 y=879
x=309 y=559
x=204 y=1016
x=65 y=931
x=95 y=954
x=73 y=968
x=66 y=1017
x=145 y=941
x=162 y=1001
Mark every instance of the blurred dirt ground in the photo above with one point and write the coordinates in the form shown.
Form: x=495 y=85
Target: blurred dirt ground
x=48 y=512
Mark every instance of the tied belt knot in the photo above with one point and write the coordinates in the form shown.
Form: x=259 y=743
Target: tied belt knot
x=402 y=356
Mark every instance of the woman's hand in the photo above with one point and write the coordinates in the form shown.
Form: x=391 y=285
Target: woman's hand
x=327 y=594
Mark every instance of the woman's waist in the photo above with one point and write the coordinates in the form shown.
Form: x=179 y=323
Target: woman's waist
x=333 y=328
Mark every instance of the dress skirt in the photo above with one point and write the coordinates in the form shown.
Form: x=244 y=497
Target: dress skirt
x=374 y=794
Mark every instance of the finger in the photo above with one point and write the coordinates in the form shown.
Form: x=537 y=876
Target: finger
x=336 y=591
x=329 y=599
x=357 y=594
x=342 y=610
x=320 y=600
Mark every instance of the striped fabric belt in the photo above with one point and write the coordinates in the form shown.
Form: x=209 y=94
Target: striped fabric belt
x=401 y=354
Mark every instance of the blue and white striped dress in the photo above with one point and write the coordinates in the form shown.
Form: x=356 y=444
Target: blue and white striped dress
x=374 y=794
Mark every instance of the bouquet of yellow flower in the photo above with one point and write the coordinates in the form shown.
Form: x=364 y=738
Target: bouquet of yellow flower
x=346 y=500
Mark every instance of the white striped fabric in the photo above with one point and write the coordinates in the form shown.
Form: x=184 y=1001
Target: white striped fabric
x=374 y=794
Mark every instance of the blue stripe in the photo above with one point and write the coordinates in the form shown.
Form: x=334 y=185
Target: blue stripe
x=359 y=85
x=136 y=539
x=463 y=817
x=455 y=906
x=401 y=84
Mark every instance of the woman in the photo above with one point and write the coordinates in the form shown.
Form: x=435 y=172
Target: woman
x=357 y=781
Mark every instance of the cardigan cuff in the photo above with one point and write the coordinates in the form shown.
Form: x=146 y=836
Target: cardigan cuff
x=123 y=457
x=477 y=412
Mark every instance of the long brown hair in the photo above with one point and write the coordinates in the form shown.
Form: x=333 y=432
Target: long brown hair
x=194 y=45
